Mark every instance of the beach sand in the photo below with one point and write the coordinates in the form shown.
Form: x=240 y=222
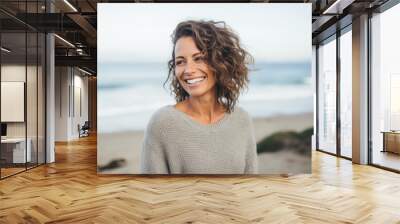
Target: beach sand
x=127 y=145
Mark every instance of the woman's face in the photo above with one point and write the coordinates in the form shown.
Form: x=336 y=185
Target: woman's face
x=191 y=69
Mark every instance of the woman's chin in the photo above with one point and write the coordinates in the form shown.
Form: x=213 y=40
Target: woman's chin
x=196 y=93
x=199 y=91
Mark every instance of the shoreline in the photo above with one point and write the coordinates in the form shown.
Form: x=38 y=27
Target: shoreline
x=127 y=144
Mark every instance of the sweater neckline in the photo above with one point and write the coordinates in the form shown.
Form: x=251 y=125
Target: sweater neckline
x=190 y=120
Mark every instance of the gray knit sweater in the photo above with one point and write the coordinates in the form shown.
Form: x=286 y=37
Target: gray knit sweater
x=174 y=143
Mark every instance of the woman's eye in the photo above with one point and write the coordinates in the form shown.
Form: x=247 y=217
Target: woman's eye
x=199 y=59
x=178 y=62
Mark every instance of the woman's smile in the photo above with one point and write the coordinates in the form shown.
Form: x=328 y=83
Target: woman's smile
x=195 y=81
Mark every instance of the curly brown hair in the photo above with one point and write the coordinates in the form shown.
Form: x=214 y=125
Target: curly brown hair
x=223 y=54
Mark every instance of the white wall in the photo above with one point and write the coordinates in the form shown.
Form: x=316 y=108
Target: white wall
x=62 y=81
x=81 y=102
x=12 y=73
x=33 y=126
x=71 y=93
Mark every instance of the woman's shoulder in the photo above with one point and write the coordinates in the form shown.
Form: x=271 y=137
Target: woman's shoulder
x=242 y=117
x=161 y=115
x=244 y=120
x=159 y=121
x=241 y=113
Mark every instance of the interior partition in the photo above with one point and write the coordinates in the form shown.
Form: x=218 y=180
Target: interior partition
x=23 y=89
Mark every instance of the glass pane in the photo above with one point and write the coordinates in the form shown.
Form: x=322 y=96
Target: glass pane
x=313 y=78
x=31 y=99
x=386 y=89
x=32 y=90
x=327 y=97
x=41 y=98
x=346 y=94
x=13 y=86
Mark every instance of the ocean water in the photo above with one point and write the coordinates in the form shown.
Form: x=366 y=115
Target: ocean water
x=128 y=94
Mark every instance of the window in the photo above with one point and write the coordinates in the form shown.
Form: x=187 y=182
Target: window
x=327 y=96
x=385 y=89
x=346 y=94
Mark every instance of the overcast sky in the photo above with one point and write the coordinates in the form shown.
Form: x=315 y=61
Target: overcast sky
x=140 y=32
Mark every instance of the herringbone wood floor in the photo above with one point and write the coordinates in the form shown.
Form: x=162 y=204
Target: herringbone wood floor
x=70 y=191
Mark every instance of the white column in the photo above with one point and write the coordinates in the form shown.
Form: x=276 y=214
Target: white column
x=314 y=86
x=50 y=99
x=360 y=90
x=50 y=92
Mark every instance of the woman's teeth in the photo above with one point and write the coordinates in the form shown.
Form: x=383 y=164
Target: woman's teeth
x=196 y=80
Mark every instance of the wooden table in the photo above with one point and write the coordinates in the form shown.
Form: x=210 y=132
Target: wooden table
x=391 y=141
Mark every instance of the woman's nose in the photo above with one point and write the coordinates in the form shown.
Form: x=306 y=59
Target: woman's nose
x=189 y=67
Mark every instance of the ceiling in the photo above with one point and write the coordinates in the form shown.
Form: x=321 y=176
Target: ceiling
x=75 y=21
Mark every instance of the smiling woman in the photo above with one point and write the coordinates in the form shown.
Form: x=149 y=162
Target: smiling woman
x=204 y=132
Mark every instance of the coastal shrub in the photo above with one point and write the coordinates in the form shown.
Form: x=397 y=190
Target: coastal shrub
x=299 y=142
